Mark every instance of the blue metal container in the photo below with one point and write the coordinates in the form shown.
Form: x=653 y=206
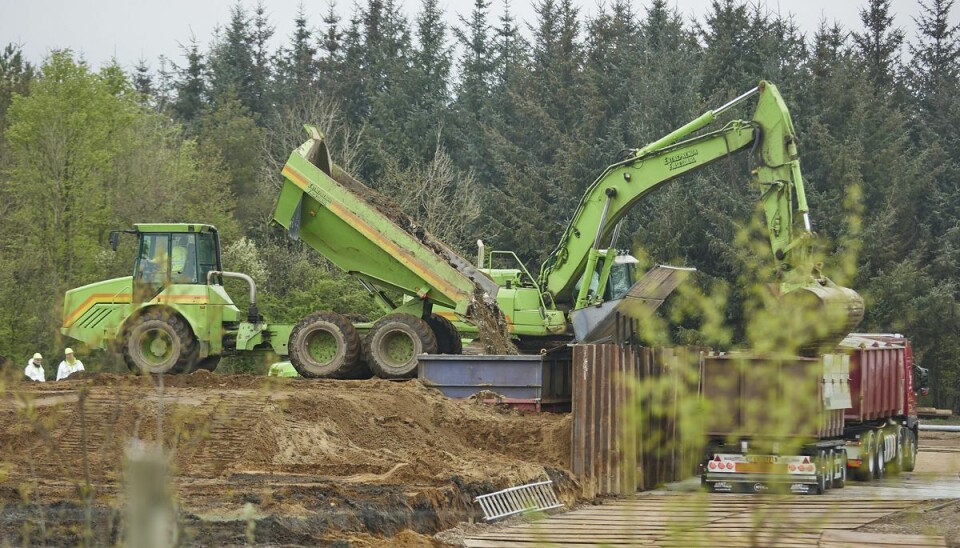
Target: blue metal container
x=533 y=381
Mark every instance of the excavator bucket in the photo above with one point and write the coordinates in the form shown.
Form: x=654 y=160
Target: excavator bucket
x=597 y=324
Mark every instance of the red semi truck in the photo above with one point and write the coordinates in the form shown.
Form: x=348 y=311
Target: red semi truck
x=804 y=423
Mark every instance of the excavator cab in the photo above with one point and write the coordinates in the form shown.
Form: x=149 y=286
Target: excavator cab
x=622 y=276
x=625 y=294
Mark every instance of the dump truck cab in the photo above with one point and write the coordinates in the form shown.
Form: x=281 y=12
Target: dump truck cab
x=173 y=254
x=172 y=315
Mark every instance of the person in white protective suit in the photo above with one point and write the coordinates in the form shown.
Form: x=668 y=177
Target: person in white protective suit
x=34 y=369
x=69 y=365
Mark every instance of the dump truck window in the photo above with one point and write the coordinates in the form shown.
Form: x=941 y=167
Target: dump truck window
x=208 y=254
x=153 y=265
x=183 y=259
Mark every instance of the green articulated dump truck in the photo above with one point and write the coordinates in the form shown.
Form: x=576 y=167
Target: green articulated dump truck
x=173 y=315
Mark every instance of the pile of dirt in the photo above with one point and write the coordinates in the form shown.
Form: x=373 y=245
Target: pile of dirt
x=369 y=457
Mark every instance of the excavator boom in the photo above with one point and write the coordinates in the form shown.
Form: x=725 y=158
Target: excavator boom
x=771 y=140
x=769 y=134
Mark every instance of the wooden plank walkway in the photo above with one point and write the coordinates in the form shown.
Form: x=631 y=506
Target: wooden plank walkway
x=698 y=519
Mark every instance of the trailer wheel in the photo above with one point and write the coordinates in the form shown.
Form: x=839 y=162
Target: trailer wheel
x=160 y=342
x=866 y=470
x=448 y=338
x=325 y=345
x=825 y=462
x=840 y=464
x=395 y=341
x=896 y=465
x=879 y=453
x=908 y=446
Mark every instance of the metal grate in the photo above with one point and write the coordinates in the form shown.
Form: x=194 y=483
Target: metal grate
x=516 y=500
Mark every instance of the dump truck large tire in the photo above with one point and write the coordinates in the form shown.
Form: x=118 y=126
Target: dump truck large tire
x=326 y=345
x=909 y=449
x=879 y=455
x=896 y=464
x=394 y=343
x=448 y=338
x=159 y=342
x=865 y=471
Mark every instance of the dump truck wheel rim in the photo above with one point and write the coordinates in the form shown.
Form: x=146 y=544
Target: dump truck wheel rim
x=909 y=451
x=323 y=346
x=156 y=347
x=879 y=455
x=398 y=347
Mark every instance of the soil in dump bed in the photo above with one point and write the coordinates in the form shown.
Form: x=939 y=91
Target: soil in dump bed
x=317 y=460
x=485 y=314
x=491 y=325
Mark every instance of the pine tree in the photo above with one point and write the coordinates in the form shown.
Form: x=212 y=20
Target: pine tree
x=433 y=54
x=330 y=48
x=726 y=37
x=668 y=95
x=510 y=50
x=933 y=81
x=557 y=60
x=425 y=87
x=142 y=79
x=612 y=68
x=297 y=63
x=260 y=78
x=351 y=75
x=231 y=62
x=936 y=54
x=476 y=63
x=191 y=86
x=879 y=44
x=15 y=76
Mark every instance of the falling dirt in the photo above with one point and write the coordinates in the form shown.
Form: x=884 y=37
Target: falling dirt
x=491 y=325
x=296 y=461
x=484 y=312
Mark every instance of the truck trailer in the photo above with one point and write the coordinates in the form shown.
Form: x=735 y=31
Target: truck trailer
x=804 y=424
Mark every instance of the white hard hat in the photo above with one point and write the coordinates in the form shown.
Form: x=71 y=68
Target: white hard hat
x=68 y=351
x=37 y=356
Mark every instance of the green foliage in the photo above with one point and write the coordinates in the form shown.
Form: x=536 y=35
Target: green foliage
x=85 y=158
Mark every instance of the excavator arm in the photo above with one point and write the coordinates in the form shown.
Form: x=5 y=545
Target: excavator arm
x=770 y=138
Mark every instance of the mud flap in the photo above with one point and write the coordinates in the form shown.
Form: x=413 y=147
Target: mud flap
x=597 y=324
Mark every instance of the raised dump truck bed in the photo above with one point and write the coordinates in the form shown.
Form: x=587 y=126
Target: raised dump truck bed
x=335 y=214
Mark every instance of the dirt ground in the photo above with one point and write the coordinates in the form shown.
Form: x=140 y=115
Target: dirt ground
x=939 y=459
x=256 y=460
x=265 y=460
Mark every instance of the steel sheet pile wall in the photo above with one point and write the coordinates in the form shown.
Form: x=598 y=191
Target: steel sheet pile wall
x=623 y=441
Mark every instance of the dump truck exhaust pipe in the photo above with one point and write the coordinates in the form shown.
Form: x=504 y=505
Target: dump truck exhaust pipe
x=253 y=315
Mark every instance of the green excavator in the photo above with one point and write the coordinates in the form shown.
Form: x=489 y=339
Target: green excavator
x=173 y=315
